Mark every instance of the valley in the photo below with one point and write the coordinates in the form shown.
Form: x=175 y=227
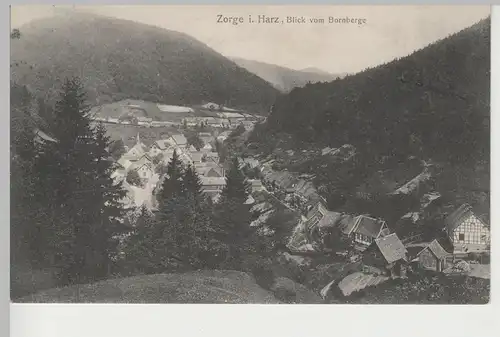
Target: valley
x=191 y=178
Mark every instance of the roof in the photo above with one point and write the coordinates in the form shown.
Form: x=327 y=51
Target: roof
x=416 y=249
x=318 y=207
x=329 y=219
x=140 y=163
x=368 y=226
x=437 y=249
x=44 y=136
x=124 y=162
x=347 y=223
x=139 y=147
x=197 y=156
x=163 y=144
x=454 y=220
x=211 y=181
x=391 y=248
x=358 y=281
x=255 y=182
x=179 y=139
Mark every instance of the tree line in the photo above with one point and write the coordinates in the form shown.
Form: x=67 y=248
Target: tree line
x=67 y=212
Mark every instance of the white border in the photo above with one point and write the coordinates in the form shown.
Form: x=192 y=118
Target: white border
x=108 y=320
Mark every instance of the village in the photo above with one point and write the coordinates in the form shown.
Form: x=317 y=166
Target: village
x=380 y=252
x=370 y=243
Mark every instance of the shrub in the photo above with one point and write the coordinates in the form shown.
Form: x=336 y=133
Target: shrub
x=134 y=179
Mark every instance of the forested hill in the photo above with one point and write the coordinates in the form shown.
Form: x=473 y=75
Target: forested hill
x=285 y=79
x=434 y=103
x=119 y=59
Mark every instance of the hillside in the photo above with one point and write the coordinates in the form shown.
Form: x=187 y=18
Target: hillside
x=193 y=287
x=285 y=79
x=120 y=59
x=433 y=103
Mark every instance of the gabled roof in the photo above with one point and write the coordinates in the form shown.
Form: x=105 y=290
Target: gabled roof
x=391 y=248
x=140 y=147
x=163 y=144
x=179 y=139
x=124 y=162
x=197 y=156
x=329 y=219
x=140 y=163
x=211 y=181
x=437 y=249
x=416 y=249
x=368 y=226
x=318 y=206
x=455 y=219
x=347 y=223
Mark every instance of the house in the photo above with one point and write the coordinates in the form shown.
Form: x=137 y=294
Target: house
x=179 y=140
x=428 y=255
x=209 y=169
x=143 y=167
x=160 y=146
x=212 y=186
x=320 y=216
x=467 y=232
x=196 y=157
x=256 y=185
x=207 y=147
x=366 y=229
x=119 y=175
x=223 y=135
x=210 y=106
x=41 y=137
x=212 y=156
x=144 y=120
x=125 y=162
x=138 y=150
x=386 y=255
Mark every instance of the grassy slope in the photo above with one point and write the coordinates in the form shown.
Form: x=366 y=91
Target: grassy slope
x=284 y=79
x=193 y=287
x=121 y=59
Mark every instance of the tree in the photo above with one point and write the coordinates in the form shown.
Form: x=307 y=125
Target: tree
x=193 y=138
x=117 y=149
x=108 y=208
x=172 y=184
x=158 y=159
x=15 y=34
x=77 y=200
x=133 y=178
x=233 y=216
x=237 y=187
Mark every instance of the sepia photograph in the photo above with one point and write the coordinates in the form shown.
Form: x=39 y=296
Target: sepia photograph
x=250 y=154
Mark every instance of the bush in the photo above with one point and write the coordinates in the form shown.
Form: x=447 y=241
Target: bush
x=134 y=179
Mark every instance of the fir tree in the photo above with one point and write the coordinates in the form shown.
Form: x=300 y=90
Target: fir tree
x=75 y=194
x=233 y=216
x=172 y=184
x=108 y=208
x=237 y=187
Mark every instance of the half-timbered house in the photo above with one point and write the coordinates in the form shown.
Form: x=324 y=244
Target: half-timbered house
x=466 y=231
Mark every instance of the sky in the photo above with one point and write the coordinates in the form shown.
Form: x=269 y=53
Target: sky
x=387 y=33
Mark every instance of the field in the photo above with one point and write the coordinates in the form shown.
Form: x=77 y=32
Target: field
x=143 y=108
x=128 y=133
x=192 y=287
